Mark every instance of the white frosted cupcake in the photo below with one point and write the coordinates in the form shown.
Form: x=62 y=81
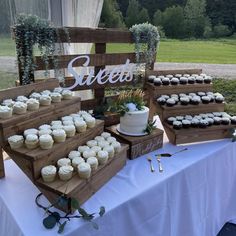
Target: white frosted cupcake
x=22 y=99
x=67 y=94
x=76 y=161
x=44 y=126
x=84 y=170
x=65 y=172
x=103 y=144
x=55 y=127
x=44 y=131
x=74 y=154
x=35 y=96
x=99 y=138
x=106 y=135
x=111 y=139
x=64 y=118
x=8 y=102
x=64 y=162
x=80 y=126
x=48 y=173
x=92 y=143
x=46 y=92
x=96 y=149
x=5 y=112
x=56 y=122
x=58 y=90
x=56 y=97
x=81 y=149
x=45 y=100
x=70 y=130
x=117 y=146
x=93 y=162
x=30 y=131
x=19 y=108
x=46 y=141
x=110 y=150
x=31 y=141
x=68 y=122
x=16 y=141
x=90 y=121
x=59 y=135
x=89 y=153
x=102 y=157
x=32 y=104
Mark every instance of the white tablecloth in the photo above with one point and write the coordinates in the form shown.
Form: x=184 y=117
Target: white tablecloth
x=194 y=196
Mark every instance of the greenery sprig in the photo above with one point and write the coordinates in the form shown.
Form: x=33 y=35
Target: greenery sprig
x=54 y=218
x=150 y=127
x=146 y=37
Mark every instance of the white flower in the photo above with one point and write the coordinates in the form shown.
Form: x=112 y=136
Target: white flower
x=131 y=106
x=234 y=134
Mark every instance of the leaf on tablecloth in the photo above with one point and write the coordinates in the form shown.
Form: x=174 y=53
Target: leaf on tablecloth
x=49 y=222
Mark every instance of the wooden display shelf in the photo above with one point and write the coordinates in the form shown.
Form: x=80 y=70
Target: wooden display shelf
x=165 y=111
x=192 y=135
x=32 y=161
x=139 y=146
x=82 y=189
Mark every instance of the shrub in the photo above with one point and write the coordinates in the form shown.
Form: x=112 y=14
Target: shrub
x=221 y=30
x=208 y=33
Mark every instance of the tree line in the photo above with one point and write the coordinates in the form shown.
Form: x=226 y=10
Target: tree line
x=174 y=18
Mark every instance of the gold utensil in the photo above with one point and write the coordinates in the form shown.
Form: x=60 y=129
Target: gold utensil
x=169 y=154
x=159 y=164
x=150 y=162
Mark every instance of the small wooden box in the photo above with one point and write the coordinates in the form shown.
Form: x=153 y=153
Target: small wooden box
x=139 y=146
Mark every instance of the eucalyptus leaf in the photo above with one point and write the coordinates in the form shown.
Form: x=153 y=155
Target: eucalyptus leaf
x=102 y=211
x=61 y=227
x=56 y=215
x=49 y=222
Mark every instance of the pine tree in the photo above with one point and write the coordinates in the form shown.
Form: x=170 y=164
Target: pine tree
x=132 y=13
x=143 y=16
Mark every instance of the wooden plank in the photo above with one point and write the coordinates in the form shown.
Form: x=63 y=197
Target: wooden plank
x=83 y=189
x=173 y=72
x=28 y=89
x=98 y=59
x=139 y=146
x=2 y=169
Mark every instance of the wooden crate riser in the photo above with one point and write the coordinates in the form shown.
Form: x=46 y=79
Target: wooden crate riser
x=192 y=135
x=82 y=189
x=32 y=161
x=139 y=146
x=164 y=111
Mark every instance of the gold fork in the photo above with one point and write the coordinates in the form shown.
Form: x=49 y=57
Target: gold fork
x=159 y=163
x=151 y=166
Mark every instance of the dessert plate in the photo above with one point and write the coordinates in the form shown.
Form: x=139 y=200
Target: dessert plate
x=130 y=134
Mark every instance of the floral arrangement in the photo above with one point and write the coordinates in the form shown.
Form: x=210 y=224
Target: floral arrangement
x=129 y=101
x=146 y=37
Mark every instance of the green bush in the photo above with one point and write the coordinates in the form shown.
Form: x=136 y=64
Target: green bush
x=208 y=33
x=221 y=30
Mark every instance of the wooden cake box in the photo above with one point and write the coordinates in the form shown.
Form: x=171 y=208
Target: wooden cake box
x=139 y=146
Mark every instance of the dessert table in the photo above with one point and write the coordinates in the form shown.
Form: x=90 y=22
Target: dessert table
x=195 y=195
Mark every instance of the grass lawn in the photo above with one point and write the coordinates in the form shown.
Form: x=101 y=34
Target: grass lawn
x=7 y=80
x=7 y=46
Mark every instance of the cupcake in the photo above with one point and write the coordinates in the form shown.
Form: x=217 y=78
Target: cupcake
x=74 y=154
x=81 y=149
x=207 y=79
x=55 y=127
x=157 y=82
x=8 y=102
x=67 y=94
x=59 y=135
x=48 y=173
x=35 y=96
x=210 y=115
x=233 y=120
x=169 y=76
x=106 y=135
x=84 y=170
x=161 y=101
x=117 y=146
x=110 y=150
x=76 y=161
x=32 y=104
x=45 y=100
x=186 y=123
x=205 y=99
x=96 y=149
x=102 y=157
x=192 y=94
x=99 y=138
x=65 y=172
x=210 y=121
x=170 y=120
x=219 y=99
x=203 y=123
x=186 y=75
x=19 y=108
x=44 y=126
x=195 y=122
x=64 y=162
x=58 y=90
x=44 y=131
x=217 y=120
x=183 y=80
x=31 y=141
x=191 y=80
x=31 y=131
x=89 y=153
x=81 y=126
x=177 y=124
x=46 y=141
x=56 y=122
x=111 y=139
x=225 y=121
x=201 y=94
x=178 y=75
x=179 y=118
x=174 y=81
x=56 y=97
x=22 y=99
x=64 y=118
x=103 y=144
x=170 y=102
x=184 y=100
x=46 y=92
x=199 y=79
x=92 y=143
x=16 y=141
x=5 y=112
x=70 y=130
x=93 y=162
x=151 y=78
x=90 y=121
x=217 y=114
x=165 y=81
x=67 y=122
x=195 y=100
x=188 y=117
